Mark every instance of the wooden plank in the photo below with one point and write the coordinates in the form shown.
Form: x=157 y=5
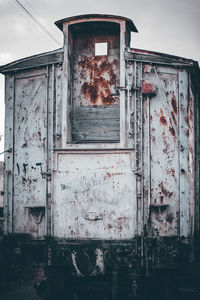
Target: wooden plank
x=102 y=124
x=184 y=154
x=96 y=136
x=96 y=124
x=99 y=112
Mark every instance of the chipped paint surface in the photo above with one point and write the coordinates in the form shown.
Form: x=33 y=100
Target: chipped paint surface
x=164 y=157
x=89 y=193
x=30 y=149
x=94 y=196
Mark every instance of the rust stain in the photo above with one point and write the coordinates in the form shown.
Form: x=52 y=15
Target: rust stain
x=174 y=104
x=147 y=68
x=172 y=131
x=171 y=128
x=191 y=115
x=97 y=89
x=174 y=118
x=163 y=120
x=165 y=192
x=148 y=87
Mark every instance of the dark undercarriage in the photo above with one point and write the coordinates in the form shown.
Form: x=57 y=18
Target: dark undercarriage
x=148 y=268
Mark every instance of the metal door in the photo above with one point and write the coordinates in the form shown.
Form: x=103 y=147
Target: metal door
x=30 y=152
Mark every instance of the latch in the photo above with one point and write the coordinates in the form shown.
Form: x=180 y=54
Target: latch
x=44 y=174
x=93 y=216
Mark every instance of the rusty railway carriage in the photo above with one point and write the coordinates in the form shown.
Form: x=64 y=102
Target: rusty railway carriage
x=102 y=164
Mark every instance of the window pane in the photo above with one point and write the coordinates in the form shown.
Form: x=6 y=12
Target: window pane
x=101 y=49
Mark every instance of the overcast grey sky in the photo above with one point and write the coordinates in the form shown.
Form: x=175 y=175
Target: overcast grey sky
x=169 y=26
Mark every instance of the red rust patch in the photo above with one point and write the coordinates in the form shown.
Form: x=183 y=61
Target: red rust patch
x=172 y=131
x=163 y=120
x=171 y=128
x=174 y=118
x=147 y=87
x=174 y=104
x=98 y=89
x=147 y=68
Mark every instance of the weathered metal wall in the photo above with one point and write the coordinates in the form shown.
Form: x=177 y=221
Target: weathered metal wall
x=166 y=187
x=140 y=182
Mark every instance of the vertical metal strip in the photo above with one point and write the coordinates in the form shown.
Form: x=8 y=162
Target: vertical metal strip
x=65 y=90
x=47 y=152
x=191 y=156
x=138 y=148
x=184 y=155
x=53 y=110
x=13 y=161
x=122 y=84
x=146 y=161
x=9 y=139
x=149 y=155
x=49 y=167
x=197 y=160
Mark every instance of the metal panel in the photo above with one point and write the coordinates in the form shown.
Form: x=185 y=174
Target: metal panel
x=94 y=195
x=30 y=148
x=184 y=154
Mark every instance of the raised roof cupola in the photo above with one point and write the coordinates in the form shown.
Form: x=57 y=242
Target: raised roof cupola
x=94 y=68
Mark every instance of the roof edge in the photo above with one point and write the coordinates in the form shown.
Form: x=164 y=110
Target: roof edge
x=161 y=54
x=89 y=17
x=10 y=66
